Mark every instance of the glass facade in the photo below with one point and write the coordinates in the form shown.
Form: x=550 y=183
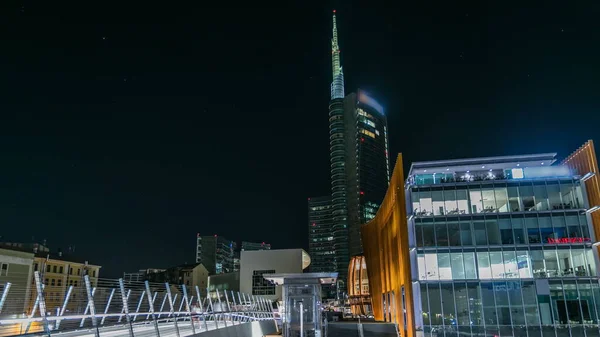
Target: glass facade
x=500 y=256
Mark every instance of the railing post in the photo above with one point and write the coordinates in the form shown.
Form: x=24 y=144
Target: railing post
x=139 y=305
x=162 y=305
x=274 y=318
x=202 y=312
x=237 y=317
x=123 y=309
x=212 y=308
x=174 y=299
x=221 y=307
x=248 y=303
x=4 y=295
x=151 y=308
x=112 y=293
x=181 y=306
x=90 y=296
x=228 y=306
x=172 y=308
x=125 y=298
x=34 y=309
x=87 y=308
x=243 y=308
x=42 y=301
x=188 y=307
x=153 y=300
x=64 y=307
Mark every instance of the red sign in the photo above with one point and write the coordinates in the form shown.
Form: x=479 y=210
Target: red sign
x=569 y=240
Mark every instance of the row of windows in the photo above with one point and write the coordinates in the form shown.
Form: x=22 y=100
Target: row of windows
x=60 y=270
x=260 y=286
x=474 y=307
x=506 y=264
x=58 y=282
x=524 y=230
x=473 y=199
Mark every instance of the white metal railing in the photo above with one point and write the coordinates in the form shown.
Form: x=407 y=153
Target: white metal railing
x=123 y=309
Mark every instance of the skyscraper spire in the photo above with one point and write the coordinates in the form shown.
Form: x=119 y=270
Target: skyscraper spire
x=337 y=85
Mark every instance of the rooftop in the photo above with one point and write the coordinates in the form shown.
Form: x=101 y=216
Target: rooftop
x=483 y=163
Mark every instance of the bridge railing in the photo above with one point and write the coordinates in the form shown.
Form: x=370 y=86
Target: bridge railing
x=95 y=306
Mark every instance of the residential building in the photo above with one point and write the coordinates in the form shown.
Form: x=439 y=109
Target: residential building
x=216 y=253
x=489 y=246
x=254 y=264
x=16 y=267
x=359 y=162
x=58 y=272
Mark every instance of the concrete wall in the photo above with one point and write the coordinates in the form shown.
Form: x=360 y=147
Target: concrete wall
x=280 y=260
x=250 y=329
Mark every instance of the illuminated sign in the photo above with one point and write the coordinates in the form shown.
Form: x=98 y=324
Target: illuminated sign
x=569 y=240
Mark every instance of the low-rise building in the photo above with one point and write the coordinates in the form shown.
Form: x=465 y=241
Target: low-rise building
x=253 y=264
x=16 y=268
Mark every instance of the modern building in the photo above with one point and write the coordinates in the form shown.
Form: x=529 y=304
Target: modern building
x=16 y=268
x=255 y=245
x=277 y=261
x=359 y=162
x=216 y=253
x=320 y=240
x=496 y=246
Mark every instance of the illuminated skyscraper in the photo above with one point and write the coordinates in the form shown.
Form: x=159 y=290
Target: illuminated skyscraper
x=359 y=162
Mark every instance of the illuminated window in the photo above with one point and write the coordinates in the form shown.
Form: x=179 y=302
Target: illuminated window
x=362 y=112
x=367 y=133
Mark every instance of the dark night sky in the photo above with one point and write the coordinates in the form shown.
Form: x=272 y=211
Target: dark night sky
x=127 y=129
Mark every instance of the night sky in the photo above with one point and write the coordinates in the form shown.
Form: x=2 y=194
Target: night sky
x=127 y=129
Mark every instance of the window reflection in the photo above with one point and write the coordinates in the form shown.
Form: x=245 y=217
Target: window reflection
x=510 y=305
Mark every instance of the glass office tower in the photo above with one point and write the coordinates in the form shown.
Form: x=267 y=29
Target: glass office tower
x=502 y=246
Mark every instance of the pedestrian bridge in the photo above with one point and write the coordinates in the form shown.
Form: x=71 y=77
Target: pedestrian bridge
x=115 y=308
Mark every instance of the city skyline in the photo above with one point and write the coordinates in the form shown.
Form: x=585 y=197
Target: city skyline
x=127 y=139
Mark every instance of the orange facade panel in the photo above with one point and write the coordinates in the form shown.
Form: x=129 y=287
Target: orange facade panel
x=385 y=244
x=582 y=162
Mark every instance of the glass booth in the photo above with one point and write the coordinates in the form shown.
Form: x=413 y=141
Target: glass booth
x=301 y=293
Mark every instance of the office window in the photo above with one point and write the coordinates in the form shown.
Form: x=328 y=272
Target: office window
x=260 y=286
x=59 y=282
x=4 y=269
x=54 y=269
x=47 y=268
x=52 y=282
x=60 y=269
